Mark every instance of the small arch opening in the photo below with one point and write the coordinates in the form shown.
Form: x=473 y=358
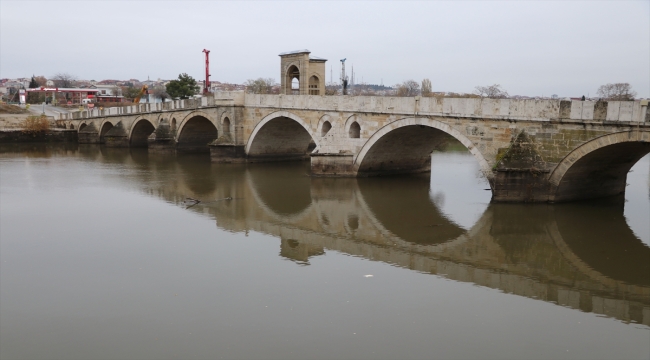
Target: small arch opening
x=327 y=126
x=173 y=125
x=325 y=220
x=313 y=85
x=353 y=222
x=82 y=126
x=355 y=130
x=71 y=126
x=292 y=81
x=226 y=126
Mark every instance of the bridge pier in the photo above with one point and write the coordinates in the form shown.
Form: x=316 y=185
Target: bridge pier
x=116 y=136
x=162 y=139
x=330 y=165
x=161 y=145
x=88 y=137
x=521 y=185
x=227 y=153
x=88 y=134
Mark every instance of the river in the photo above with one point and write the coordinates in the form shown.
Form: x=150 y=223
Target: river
x=124 y=254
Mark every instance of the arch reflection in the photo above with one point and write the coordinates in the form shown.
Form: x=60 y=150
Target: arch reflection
x=285 y=192
x=582 y=256
x=404 y=208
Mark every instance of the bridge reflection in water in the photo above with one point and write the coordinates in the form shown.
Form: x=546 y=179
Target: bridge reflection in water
x=582 y=255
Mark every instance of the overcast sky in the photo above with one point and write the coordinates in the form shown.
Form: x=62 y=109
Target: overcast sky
x=529 y=47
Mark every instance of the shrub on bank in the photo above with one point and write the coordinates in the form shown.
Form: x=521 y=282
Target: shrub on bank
x=36 y=124
x=11 y=109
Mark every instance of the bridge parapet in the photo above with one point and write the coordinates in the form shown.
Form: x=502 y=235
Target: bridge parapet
x=501 y=109
x=147 y=108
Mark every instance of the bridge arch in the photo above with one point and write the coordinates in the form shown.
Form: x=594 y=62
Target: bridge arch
x=140 y=132
x=405 y=145
x=281 y=135
x=195 y=132
x=598 y=168
x=104 y=128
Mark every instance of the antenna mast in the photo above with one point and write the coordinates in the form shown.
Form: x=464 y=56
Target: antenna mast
x=207 y=71
x=344 y=78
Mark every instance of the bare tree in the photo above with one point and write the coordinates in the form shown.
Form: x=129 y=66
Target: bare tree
x=426 y=87
x=64 y=80
x=116 y=91
x=130 y=92
x=408 y=88
x=456 y=95
x=362 y=90
x=332 y=90
x=493 y=91
x=161 y=93
x=41 y=80
x=617 y=91
x=260 y=85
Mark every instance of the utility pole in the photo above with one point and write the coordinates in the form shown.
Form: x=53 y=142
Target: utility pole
x=207 y=71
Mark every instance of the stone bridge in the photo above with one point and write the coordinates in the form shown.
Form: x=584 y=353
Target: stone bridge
x=529 y=150
x=556 y=253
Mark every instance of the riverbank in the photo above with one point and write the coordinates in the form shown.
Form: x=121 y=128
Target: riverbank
x=12 y=130
x=8 y=136
x=12 y=121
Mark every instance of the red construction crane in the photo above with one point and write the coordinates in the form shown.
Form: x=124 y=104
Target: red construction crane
x=207 y=71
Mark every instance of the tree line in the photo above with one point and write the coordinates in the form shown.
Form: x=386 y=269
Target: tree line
x=186 y=86
x=409 y=88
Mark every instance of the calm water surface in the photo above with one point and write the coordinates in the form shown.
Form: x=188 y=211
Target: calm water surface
x=103 y=256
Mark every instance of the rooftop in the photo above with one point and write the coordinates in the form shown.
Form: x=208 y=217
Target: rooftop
x=295 y=52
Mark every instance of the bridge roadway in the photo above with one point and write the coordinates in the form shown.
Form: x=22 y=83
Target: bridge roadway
x=554 y=253
x=529 y=150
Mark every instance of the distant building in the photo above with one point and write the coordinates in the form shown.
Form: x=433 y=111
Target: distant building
x=108 y=98
x=107 y=82
x=109 y=90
